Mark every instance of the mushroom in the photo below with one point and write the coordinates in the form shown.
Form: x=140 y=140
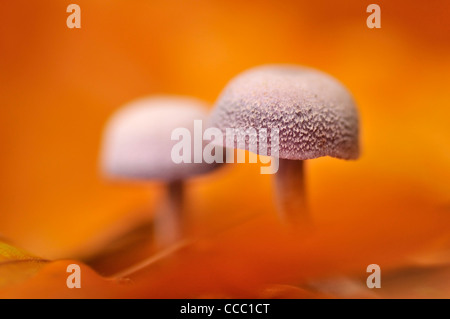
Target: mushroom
x=137 y=145
x=314 y=114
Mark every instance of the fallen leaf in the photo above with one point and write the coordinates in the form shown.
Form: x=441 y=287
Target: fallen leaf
x=17 y=265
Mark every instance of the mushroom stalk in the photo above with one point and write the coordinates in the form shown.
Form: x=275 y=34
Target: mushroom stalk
x=290 y=192
x=170 y=220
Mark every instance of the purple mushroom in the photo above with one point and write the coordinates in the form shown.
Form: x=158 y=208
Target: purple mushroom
x=138 y=145
x=314 y=114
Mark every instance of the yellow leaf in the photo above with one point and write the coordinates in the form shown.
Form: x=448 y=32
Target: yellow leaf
x=17 y=265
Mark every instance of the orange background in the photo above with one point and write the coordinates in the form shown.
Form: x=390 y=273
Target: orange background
x=58 y=86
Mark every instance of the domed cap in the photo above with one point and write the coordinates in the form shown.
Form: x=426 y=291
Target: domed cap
x=315 y=114
x=137 y=140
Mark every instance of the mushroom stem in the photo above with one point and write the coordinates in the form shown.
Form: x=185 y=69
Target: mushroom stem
x=290 y=192
x=169 y=222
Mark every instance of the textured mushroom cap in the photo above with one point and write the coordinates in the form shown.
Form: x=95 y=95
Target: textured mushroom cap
x=315 y=114
x=137 y=140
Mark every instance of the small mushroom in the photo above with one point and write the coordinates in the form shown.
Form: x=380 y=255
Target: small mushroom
x=137 y=146
x=315 y=115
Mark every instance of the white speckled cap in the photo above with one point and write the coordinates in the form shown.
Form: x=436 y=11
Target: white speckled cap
x=315 y=114
x=137 y=140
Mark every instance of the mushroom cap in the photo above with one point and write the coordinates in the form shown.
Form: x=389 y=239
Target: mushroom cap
x=137 y=140
x=315 y=114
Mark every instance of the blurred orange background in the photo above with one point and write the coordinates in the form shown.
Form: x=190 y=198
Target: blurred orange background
x=58 y=86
